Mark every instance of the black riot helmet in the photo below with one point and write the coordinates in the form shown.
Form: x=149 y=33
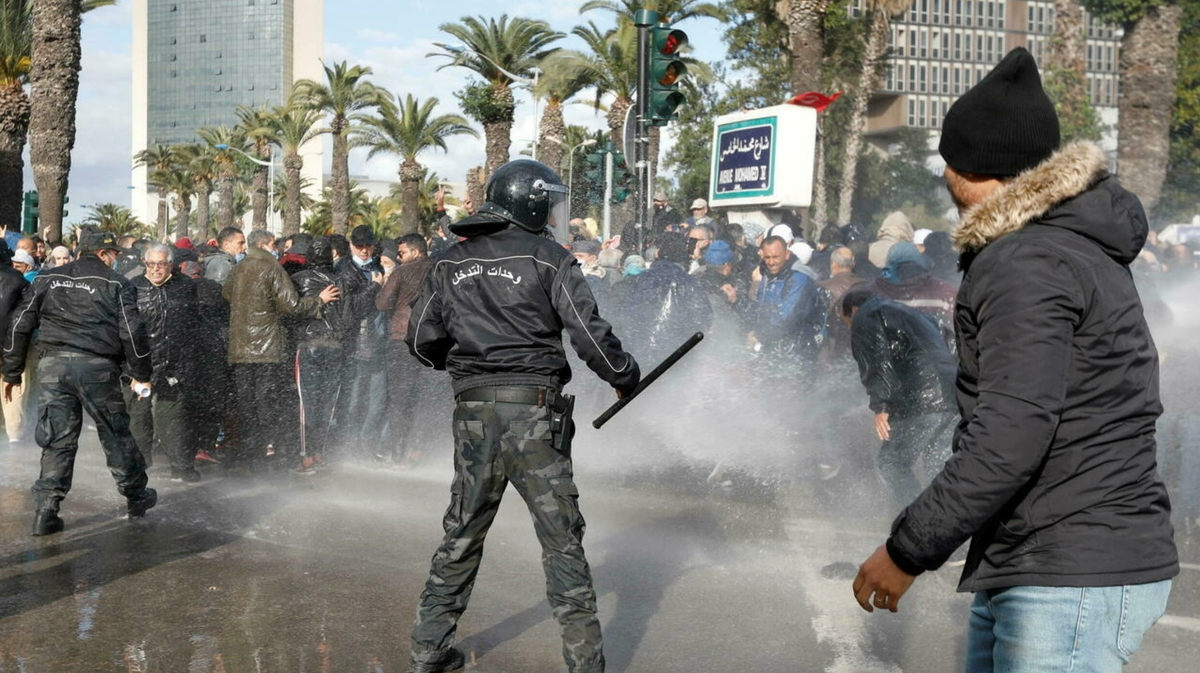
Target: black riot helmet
x=525 y=193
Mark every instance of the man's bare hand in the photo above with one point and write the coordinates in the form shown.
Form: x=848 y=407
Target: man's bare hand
x=377 y=277
x=880 y=577
x=882 y=427
x=730 y=293
x=331 y=293
x=8 y=390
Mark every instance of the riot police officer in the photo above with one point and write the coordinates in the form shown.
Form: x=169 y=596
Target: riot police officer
x=89 y=322
x=492 y=313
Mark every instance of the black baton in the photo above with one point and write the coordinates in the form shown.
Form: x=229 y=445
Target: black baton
x=649 y=378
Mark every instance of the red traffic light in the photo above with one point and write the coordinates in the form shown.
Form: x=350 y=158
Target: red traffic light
x=669 y=42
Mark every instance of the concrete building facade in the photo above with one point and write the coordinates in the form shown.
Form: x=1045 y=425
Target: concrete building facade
x=941 y=48
x=196 y=61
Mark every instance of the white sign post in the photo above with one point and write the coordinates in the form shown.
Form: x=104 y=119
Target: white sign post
x=764 y=158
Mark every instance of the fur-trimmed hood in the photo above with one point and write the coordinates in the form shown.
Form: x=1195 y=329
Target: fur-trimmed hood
x=1072 y=189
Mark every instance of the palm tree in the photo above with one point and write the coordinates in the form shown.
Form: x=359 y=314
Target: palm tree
x=16 y=41
x=258 y=132
x=557 y=86
x=117 y=219
x=879 y=17
x=280 y=204
x=383 y=218
x=610 y=64
x=492 y=48
x=182 y=185
x=202 y=165
x=407 y=130
x=293 y=126
x=321 y=219
x=670 y=11
x=221 y=142
x=160 y=160
x=345 y=94
x=14 y=107
x=54 y=65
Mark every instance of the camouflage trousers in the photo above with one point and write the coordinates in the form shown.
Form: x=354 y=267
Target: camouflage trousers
x=68 y=384
x=499 y=442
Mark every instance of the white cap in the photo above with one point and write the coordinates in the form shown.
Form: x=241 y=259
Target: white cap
x=782 y=231
x=699 y=203
x=920 y=234
x=24 y=257
x=802 y=251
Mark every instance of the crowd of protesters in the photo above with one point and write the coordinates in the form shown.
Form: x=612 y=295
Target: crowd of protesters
x=249 y=328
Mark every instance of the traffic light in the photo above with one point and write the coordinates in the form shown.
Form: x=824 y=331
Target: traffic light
x=666 y=71
x=31 y=213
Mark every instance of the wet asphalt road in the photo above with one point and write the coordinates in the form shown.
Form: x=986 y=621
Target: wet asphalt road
x=321 y=574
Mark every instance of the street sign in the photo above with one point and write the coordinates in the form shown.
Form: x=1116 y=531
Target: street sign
x=764 y=158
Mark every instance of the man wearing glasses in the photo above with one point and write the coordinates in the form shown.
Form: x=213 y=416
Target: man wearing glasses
x=168 y=306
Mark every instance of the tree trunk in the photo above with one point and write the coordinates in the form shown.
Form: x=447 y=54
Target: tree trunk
x=225 y=214
x=1149 y=61
x=54 y=88
x=164 y=213
x=183 y=215
x=410 y=196
x=806 y=37
x=616 y=121
x=867 y=82
x=260 y=190
x=819 y=212
x=1067 y=45
x=339 y=179
x=475 y=185
x=498 y=132
x=552 y=126
x=203 y=192
x=292 y=164
x=14 y=129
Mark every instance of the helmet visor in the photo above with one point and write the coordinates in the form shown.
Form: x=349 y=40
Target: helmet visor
x=558 y=213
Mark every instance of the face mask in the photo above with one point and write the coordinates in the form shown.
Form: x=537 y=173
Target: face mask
x=30 y=275
x=361 y=262
x=239 y=257
x=275 y=254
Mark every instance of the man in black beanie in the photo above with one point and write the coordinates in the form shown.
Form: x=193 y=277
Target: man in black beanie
x=1053 y=477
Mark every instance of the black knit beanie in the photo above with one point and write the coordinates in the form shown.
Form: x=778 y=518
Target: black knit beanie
x=1004 y=125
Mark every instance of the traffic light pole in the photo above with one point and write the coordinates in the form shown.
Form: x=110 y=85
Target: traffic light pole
x=608 y=193
x=644 y=19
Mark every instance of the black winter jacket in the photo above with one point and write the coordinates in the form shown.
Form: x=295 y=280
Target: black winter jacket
x=902 y=359
x=171 y=315
x=367 y=338
x=493 y=310
x=1054 y=474
x=12 y=286
x=83 y=307
x=329 y=330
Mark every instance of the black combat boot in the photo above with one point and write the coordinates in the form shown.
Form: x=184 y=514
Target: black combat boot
x=47 y=522
x=452 y=660
x=138 y=506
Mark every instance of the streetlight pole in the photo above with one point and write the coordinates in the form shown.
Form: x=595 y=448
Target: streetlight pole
x=531 y=83
x=571 y=164
x=270 y=181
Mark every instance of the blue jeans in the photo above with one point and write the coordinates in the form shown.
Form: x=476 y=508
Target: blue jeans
x=1061 y=629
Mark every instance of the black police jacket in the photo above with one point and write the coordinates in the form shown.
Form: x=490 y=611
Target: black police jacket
x=902 y=359
x=83 y=307
x=1054 y=471
x=493 y=310
x=171 y=315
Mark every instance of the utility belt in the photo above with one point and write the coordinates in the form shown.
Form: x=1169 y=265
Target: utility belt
x=561 y=407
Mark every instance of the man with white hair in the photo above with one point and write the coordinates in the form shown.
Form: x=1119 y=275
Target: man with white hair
x=168 y=304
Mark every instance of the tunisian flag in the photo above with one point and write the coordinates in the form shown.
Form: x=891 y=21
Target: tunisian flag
x=813 y=99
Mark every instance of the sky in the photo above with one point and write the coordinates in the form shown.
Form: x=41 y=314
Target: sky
x=392 y=37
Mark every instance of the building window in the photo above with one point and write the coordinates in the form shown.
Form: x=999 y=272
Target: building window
x=957 y=46
x=203 y=39
x=936 y=44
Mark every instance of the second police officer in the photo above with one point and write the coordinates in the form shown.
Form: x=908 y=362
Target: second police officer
x=492 y=314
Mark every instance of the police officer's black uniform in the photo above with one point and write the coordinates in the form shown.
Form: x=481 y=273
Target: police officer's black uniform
x=89 y=323
x=492 y=313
